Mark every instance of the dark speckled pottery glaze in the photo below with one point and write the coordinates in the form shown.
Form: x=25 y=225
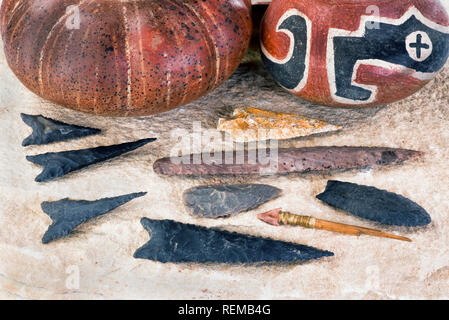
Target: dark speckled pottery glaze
x=124 y=58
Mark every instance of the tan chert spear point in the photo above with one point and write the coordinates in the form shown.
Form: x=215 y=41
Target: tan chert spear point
x=252 y=124
x=278 y=217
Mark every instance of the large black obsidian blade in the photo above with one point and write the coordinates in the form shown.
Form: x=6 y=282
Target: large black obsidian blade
x=68 y=214
x=177 y=242
x=58 y=164
x=46 y=130
x=221 y=201
x=374 y=204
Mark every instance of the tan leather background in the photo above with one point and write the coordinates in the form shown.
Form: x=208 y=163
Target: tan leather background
x=101 y=250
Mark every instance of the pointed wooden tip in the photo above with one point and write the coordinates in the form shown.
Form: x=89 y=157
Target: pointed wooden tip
x=270 y=217
x=396 y=237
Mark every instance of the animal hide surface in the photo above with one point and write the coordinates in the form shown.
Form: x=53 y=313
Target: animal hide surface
x=100 y=255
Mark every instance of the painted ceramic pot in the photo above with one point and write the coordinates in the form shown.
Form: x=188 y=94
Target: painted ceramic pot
x=355 y=53
x=124 y=58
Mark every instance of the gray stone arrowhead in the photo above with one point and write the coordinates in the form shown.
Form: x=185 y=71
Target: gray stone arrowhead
x=224 y=200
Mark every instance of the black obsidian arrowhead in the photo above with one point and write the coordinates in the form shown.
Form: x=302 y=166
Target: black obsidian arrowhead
x=374 y=204
x=58 y=164
x=221 y=201
x=46 y=130
x=177 y=242
x=68 y=214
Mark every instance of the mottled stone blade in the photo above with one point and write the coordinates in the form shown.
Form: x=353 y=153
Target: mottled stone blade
x=177 y=242
x=58 y=164
x=46 y=130
x=374 y=204
x=68 y=214
x=221 y=201
x=283 y=161
x=252 y=124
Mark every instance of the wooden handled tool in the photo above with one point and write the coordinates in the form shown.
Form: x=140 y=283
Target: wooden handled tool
x=278 y=217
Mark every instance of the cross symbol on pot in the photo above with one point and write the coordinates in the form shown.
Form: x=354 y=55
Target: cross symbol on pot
x=419 y=46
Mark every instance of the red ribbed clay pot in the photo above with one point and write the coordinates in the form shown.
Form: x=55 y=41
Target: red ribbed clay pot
x=124 y=58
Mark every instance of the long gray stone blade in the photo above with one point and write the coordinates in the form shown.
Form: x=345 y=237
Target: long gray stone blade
x=46 y=130
x=177 y=242
x=68 y=214
x=58 y=164
x=224 y=200
x=310 y=159
x=374 y=204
